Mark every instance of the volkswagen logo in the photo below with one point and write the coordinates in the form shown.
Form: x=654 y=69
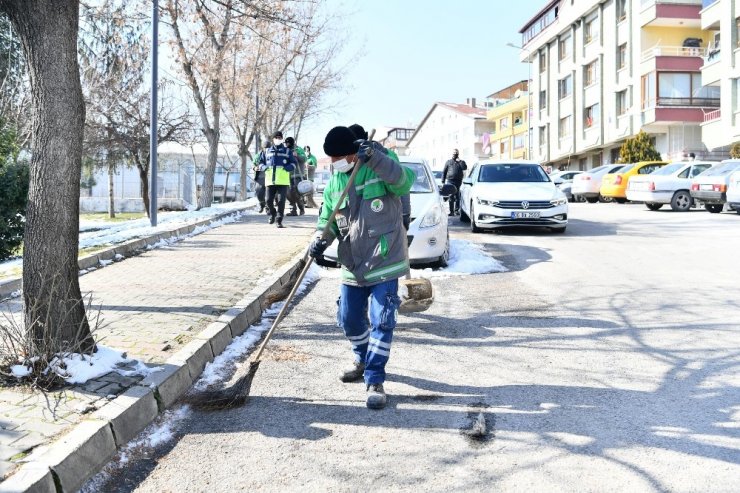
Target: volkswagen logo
x=525 y=204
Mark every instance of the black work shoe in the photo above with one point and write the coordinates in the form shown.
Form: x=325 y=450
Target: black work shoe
x=303 y=211
x=375 y=396
x=271 y=220
x=353 y=374
x=262 y=208
x=280 y=225
x=291 y=213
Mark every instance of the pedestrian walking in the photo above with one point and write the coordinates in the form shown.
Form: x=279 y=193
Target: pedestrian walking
x=311 y=164
x=259 y=175
x=454 y=172
x=372 y=250
x=294 y=197
x=279 y=163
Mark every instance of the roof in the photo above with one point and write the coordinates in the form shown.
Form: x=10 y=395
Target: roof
x=539 y=14
x=508 y=92
x=463 y=109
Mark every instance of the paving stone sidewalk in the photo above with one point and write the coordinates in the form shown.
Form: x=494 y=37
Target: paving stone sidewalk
x=151 y=305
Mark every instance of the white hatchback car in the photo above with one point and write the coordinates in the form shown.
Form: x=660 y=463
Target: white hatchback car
x=500 y=194
x=670 y=184
x=428 y=237
x=733 y=192
x=587 y=185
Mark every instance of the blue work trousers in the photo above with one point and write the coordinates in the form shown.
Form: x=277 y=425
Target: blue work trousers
x=371 y=345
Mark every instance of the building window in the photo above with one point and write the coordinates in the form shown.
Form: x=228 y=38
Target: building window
x=518 y=119
x=590 y=29
x=543 y=61
x=565 y=87
x=685 y=89
x=504 y=124
x=737 y=32
x=736 y=87
x=542 y=137
x=543 y=100
x=564 y=127
x=564 y=48
x=590 y=73
x=537 y=26
x=621 y=56
x=622 y=103
x=504 y=147
x=582 y=164
x=519 y=141
x=648 y=90
x=596 y=159
x=591 y=116
x=621 y=10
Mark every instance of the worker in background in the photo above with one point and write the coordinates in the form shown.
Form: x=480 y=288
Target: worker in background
x=259 y=175
x=279 y=162
x=298 y=174
x=311 y=164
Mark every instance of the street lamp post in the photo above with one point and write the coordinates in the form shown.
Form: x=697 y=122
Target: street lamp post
x=153 y=118
x=529 y=96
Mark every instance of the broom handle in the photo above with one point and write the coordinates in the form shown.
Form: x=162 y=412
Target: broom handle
x=308 y=259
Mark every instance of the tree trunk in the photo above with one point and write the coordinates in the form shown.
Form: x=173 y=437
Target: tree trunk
x=226 y=188
x=111 y=191
x=144 y=179
x=206 y=191
x=53 y=306
x=243 y=174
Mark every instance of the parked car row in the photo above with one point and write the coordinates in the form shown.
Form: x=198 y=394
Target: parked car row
x=681 y=185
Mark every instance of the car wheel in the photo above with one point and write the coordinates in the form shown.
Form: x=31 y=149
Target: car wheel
x=444 y=260
x=653 y=207
x=713 y=208
x=592 y=200
x=620 y=200
x=558 y=230
x=681 y=201
x=463 y=217
x=602 y=198
x=473 y=227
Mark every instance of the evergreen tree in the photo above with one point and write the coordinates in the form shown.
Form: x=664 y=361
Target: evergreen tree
x=638 y=148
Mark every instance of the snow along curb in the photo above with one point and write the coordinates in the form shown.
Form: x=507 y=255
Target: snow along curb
x=64 y=465
x=125 y=249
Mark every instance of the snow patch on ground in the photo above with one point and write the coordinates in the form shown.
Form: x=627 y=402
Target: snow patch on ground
x=79 y=368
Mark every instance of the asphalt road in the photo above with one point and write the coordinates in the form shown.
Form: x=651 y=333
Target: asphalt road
x=606 y=359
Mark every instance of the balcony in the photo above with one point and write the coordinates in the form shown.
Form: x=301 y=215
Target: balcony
x=671 y=13
x=712 y=116
x=672 y=58
x=712 y=71
x=677 y=109
x=711 y=14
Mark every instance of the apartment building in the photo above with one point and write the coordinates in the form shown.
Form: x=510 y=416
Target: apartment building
x=449 y=126
x=603 y=70
x=509 y=135
x=720 y=20
x=397 y=139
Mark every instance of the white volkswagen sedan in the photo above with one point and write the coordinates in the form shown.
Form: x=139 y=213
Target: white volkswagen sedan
x=670 y=184
x=428 y=237
x=499 y=194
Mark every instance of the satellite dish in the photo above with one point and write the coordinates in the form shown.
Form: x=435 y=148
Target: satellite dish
x=518 y=93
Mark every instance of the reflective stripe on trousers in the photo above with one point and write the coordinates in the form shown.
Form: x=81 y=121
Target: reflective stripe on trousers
x=370 y=344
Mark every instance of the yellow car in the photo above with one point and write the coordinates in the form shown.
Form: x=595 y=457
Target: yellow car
x=615 y=185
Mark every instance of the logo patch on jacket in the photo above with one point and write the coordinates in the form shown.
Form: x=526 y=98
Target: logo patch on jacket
x=376 y=205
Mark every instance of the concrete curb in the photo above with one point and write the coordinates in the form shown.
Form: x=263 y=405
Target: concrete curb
x=66 y=464
x=127 y=249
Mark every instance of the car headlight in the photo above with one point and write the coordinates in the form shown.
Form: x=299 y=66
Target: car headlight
x=432 y=218
x=490 y=203
x=559 y=201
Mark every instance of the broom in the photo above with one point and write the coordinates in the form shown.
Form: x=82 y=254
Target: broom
x=237 y=394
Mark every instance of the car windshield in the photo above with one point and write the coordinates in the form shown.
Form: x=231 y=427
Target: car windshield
x=423 y=183
x=497 y=173
x=722 y=169
x=669 y=169
x=625 y=169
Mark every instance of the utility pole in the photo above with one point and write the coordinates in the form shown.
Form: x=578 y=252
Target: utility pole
x=153 y=117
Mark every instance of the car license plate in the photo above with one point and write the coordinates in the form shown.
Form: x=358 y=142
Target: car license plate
x=525 y=215
x=706 y=187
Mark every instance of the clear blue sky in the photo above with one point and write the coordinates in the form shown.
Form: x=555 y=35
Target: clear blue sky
x=416 y=52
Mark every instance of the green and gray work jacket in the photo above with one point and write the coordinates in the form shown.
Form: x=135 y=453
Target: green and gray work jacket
x=372 y=240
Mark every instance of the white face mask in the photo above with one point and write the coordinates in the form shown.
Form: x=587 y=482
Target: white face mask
x=342 y=165
x=277 y=142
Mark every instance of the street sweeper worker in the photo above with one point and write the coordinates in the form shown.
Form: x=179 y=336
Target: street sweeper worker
x=372 y=250
x=279 y=163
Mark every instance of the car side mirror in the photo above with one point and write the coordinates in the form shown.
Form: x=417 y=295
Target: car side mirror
x=467 y=181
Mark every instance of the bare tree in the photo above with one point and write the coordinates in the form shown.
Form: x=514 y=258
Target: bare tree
x=48 y=33
x=15 y=95
x=114 y=52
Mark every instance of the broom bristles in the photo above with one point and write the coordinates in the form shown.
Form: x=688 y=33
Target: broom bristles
x=228 y=397
x=283 y=291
